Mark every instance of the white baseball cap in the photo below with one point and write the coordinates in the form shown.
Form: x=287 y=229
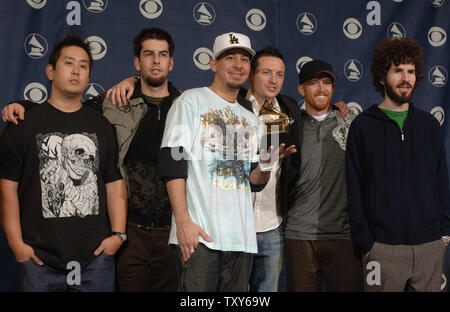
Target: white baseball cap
x=231 y=41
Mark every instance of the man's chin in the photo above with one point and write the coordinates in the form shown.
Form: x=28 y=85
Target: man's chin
x=154 y=82
x=235 y=85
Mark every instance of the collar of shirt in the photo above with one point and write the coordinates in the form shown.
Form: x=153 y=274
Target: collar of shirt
x=255 y=105
x=331 y=114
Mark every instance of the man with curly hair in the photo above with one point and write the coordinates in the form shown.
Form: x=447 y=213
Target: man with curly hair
x=397 y=178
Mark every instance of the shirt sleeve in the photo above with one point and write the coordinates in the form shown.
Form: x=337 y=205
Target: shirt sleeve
x=442 y=182
x=256 y=187
x=96 y=102
x=359 y=227
x=181 y=126
x=111 y=172
x=168 y=167
x=12 y=152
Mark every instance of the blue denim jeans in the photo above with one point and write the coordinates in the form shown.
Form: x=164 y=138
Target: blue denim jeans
x=266 y=265
x=97 y=276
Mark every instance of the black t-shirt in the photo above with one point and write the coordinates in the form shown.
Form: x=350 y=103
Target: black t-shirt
x=148 y=203
x=61 y=162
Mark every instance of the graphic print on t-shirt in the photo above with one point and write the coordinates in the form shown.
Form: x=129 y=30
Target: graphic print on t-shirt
x=227 y=139
x=68 y=165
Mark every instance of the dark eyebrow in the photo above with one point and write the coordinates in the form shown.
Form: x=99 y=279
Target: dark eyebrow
x=73 y=59
x=165 y=51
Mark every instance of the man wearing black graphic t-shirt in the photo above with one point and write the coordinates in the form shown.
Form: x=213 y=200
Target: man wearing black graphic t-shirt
x=146 y=262
x=63 y=200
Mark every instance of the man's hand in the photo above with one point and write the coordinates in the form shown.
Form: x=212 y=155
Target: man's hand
x=13 y=112
x=343 y=109
x=187 y=234
x=268 y=159
x=109 y=246
x=23 y=253
x=122 y=91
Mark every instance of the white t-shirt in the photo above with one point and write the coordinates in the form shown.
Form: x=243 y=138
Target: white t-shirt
x=221 y=141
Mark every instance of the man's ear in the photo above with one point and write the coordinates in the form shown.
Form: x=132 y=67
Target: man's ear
x=171 y=64
x=137 y=63
x=301 y=90
x=49 y=71
x=213 y=64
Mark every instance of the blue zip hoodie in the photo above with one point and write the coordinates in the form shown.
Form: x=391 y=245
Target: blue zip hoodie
x=397 y=180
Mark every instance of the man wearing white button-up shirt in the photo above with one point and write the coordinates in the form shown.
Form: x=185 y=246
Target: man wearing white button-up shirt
x=266 y=80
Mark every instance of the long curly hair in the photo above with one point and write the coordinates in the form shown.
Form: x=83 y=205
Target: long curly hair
x=395 y=51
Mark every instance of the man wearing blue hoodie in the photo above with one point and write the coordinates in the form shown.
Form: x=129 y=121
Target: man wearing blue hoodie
x=397 y=178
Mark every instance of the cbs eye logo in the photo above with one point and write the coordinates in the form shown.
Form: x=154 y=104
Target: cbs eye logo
x=37 y=4
x=352 y=28
x=98 y=47
x=437 y=36
x=301 y=61
x=151 y=9
x=256 y=19
x=439 y=114
x=35 y=92
x=201 y=58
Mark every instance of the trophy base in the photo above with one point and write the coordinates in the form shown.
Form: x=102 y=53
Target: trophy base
x=275 y=139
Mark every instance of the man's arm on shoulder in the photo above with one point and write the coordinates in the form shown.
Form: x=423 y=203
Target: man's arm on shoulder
x=120 y=93
x=15 y=111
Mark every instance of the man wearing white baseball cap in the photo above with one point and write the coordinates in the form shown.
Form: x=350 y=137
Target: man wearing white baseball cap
x=209 y=159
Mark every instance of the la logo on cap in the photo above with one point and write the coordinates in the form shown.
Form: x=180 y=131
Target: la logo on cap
x=233 y=39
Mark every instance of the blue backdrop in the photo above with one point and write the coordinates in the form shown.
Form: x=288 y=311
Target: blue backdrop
x=344 y=33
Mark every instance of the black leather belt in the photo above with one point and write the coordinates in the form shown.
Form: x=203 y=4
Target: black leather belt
x=149 y=227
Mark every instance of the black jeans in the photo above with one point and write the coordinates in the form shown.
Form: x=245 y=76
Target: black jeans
x=213 y=270
x=313 y=265
x=146 y=263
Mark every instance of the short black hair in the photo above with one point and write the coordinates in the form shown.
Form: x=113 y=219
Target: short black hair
x=266 y=51
x=71 y=40
x=152 y=33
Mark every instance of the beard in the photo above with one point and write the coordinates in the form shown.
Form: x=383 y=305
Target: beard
x=154 y=82
x=399 y=98
x=317 y=106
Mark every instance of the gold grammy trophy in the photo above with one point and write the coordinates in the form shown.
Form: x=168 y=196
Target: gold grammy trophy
x=276 y=125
